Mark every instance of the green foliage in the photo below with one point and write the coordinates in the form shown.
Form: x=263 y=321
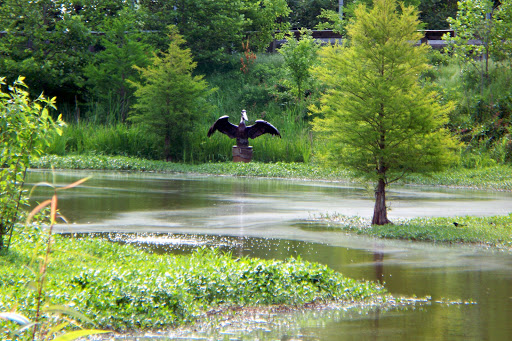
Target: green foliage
x=24 y=129
x=124 y=288
x=266 y=21
x=119 y=139
x=299 y=57
x=49 y=322
x=46 y=44
x=170 y=99
x=378 y=119
x=332 y=21
x=479 y=20
x=435 y=12
x=211 y=27
x=278 y=169
x=215 y=29
x=110 y=72
x=305 y=14
x=376 y=112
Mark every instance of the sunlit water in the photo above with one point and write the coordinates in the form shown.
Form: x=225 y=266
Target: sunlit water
x=272 y=219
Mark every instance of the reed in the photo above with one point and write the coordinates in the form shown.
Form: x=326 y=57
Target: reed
x=119 y=139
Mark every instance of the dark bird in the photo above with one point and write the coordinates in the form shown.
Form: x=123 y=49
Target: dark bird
x=457 y=224
x=243 y=133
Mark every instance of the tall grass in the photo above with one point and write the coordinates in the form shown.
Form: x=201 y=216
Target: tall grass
x=118 y=139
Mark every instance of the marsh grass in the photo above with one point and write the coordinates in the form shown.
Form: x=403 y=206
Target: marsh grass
x=496 y=177
x=489 y=231
x=116 y=139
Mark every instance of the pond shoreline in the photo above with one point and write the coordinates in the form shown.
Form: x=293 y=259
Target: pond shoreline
x=497 y=178
x=492 y=231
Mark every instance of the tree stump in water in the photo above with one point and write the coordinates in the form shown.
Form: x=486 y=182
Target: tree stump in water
x=242 y=154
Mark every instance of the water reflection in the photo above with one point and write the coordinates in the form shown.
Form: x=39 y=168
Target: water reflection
x=269 y=219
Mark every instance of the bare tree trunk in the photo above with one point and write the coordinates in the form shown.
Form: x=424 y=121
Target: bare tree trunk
x=380 y=214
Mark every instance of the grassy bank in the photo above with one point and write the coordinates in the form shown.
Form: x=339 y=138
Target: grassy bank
x=497 y=177
x=278 y=169
x=495 y=231
x=121 y=287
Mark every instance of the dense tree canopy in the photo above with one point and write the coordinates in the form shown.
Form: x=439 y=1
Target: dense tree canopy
x=112 y=69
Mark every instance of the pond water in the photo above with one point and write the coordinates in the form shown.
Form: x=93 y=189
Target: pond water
x=271 y=218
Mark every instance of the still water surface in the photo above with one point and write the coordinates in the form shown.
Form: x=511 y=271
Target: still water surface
x=270 y=218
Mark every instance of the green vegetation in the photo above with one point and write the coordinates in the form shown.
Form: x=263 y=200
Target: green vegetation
x=495 y=178
x=121 y=287
x=488 y=231
x=277 y=170
x=170 y=99
x=300 y=55
x=24 y=129
x=378 y=119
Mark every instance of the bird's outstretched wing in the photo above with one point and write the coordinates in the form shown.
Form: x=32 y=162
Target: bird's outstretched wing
x=261 y=127
x=224 y=126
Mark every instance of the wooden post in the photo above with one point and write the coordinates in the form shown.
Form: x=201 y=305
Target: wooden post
x=242 y=154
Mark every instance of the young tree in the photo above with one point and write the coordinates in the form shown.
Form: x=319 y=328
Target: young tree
x=299 y=56
x=379 y=119
x=483 y=22
x=170 y=98
x=25 y=126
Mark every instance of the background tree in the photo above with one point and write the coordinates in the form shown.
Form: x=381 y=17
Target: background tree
x=435 y=12
x=46 y=44
x=170 y=98
x=111 y=71
x=299 y=56
x=330 y=19
x=264 y=19
x=486 y=22
x=304 y=13
x=379 y=119
x=215 y=29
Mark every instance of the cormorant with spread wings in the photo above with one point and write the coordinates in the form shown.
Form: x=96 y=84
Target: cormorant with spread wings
x=243 y=133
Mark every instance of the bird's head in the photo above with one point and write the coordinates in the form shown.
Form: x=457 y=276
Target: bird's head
x=244 y=115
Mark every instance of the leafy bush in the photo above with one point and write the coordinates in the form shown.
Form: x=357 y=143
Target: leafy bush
x=24 y=129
